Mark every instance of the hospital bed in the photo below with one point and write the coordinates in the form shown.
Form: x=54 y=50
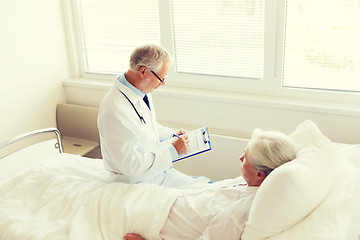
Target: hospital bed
x=48 y=194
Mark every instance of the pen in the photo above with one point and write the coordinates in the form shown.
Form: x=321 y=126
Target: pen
x=175 y=135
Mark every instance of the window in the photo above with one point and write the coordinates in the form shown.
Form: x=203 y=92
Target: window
x=110 y=30
x=268 y=46
x=212 y=37
x=322 y=45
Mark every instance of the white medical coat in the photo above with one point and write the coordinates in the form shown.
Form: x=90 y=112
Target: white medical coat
x=130 y=148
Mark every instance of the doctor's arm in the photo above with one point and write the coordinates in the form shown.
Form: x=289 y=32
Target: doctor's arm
x=180 y=143
x=126 y=151
x=166 y=133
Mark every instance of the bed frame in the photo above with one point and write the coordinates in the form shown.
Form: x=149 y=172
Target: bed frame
x=58 y=145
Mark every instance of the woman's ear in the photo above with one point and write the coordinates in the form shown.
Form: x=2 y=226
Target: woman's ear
x=260 y=176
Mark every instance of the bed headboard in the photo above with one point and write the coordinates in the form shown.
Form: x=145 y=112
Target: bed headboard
x=77 y=121
x=78 y=127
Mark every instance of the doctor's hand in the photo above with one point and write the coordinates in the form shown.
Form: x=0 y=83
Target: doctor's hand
x=181 y=143
x=181 y=132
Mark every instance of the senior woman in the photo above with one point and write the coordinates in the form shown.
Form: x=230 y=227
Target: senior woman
x=220 y=210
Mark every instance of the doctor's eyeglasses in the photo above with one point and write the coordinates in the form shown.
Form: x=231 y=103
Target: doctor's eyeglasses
x=161 y=80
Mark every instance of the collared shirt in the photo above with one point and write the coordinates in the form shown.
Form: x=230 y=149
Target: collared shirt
x=124 y=81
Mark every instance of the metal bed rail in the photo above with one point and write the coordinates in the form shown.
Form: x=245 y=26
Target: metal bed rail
x=58 y=145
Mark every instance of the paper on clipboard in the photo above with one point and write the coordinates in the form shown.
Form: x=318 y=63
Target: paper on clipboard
x=199 y=142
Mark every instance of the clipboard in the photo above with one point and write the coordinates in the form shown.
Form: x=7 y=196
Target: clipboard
x=199 y=143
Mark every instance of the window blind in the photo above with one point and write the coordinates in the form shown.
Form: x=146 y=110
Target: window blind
x=219 y=37
x=110 y=29
x=322 y=45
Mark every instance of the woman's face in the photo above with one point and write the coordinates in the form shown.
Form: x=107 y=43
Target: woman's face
x=248 y=170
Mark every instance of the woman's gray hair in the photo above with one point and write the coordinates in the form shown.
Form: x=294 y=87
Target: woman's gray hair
x=150 y=56
x=270 y=149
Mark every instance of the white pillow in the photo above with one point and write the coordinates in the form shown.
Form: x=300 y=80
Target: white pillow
x=338 y=216
x=294 y=189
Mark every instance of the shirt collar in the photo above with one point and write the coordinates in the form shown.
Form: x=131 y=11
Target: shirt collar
x=123 y=80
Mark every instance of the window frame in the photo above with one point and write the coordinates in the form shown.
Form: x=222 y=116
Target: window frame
x=270 y=85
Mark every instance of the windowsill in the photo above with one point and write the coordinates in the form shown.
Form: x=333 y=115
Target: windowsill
x=297 y=104
x=265 y=101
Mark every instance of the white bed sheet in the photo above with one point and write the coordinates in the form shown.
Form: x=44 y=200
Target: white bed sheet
x=26 y=157
x=71 y=197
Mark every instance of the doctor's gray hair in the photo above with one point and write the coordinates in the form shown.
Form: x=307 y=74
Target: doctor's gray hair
x=270 y=149
x=150 y=56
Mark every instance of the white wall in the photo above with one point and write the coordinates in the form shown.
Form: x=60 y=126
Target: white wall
x=33 y=64
x=235 y=114
x=221 y=162
x=240 y=115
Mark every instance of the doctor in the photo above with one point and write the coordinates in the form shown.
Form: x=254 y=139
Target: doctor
x=130 y=136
